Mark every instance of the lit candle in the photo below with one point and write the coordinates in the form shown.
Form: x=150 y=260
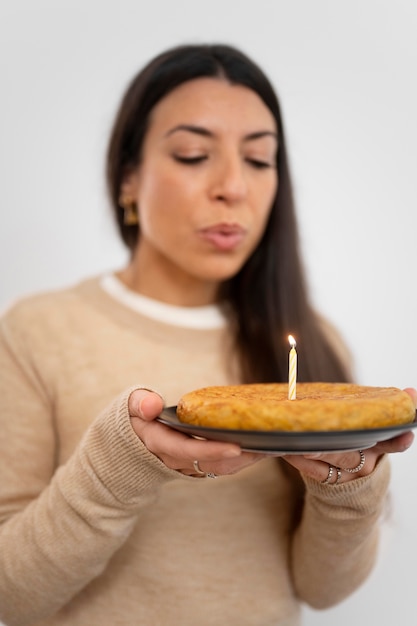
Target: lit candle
x=292 y=369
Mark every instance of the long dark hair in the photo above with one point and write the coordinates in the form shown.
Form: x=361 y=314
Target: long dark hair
x=268 y=298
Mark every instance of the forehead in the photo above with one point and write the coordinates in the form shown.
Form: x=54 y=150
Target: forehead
x=215 y=103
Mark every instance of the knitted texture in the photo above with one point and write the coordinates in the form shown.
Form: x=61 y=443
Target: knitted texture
x=94 y=529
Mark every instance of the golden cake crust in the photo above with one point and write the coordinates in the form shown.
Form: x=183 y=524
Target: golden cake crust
x=318 y=406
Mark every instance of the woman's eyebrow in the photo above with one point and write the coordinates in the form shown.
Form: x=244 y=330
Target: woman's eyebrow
x=260 y=134
x=205 y=132
x=191 y=128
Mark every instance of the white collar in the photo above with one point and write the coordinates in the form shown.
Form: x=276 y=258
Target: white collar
x=202 y=317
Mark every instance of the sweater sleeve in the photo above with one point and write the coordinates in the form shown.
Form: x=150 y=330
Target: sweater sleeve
x=59 y=527
x=335 y=544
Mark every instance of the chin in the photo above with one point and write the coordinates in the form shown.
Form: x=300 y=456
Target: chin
x=220 y=274
x=214 y=268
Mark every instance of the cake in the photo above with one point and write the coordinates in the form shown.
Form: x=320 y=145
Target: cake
x=318 y=406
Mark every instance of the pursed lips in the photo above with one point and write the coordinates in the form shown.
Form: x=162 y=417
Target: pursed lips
x=223 y=236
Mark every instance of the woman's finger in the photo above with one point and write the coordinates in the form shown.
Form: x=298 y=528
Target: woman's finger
x=163 y=440
x=145 y=404
x=348 y=460
x=397 y=444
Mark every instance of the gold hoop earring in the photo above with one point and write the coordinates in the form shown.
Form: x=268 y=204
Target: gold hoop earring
x=130 y=216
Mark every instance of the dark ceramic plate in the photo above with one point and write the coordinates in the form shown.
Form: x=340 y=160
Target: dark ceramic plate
x=283 y=442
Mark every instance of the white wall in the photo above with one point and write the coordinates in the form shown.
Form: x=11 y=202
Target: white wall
x=346 y=73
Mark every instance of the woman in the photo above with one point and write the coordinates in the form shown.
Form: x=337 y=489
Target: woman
x=109 y=516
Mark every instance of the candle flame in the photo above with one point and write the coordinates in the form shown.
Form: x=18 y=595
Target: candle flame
x=292 y=341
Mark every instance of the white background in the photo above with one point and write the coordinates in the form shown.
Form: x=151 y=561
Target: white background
x=346 y=75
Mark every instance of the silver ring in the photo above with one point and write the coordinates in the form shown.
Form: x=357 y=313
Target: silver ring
x=329 y=476
x=332 y=469
x=353 y=470
x=197 y=469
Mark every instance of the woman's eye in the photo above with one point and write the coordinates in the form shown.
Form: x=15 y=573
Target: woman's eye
x=190 y=160
x=258 y=164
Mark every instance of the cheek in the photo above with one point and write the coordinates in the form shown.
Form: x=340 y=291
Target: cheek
x=167 y=211
x=164 y=196
x=156 y=201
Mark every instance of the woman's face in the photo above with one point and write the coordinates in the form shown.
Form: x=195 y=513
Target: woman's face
x=205 y=183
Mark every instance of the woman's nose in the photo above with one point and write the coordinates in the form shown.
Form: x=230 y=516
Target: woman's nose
x=229 y=182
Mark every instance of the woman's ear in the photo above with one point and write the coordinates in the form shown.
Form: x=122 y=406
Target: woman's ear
x=128 y=199
x=130 y=186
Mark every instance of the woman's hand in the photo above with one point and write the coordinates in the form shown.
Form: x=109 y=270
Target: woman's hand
x=317 y=466
x=179 y=451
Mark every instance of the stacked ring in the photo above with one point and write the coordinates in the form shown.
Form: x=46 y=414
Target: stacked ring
x=332 y=469
x=201 y=473
x=353 y=470
x=338 y=470
x=329 y=476
x=197 y=468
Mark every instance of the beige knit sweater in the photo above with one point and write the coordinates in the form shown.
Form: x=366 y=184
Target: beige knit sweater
x=96 y=531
